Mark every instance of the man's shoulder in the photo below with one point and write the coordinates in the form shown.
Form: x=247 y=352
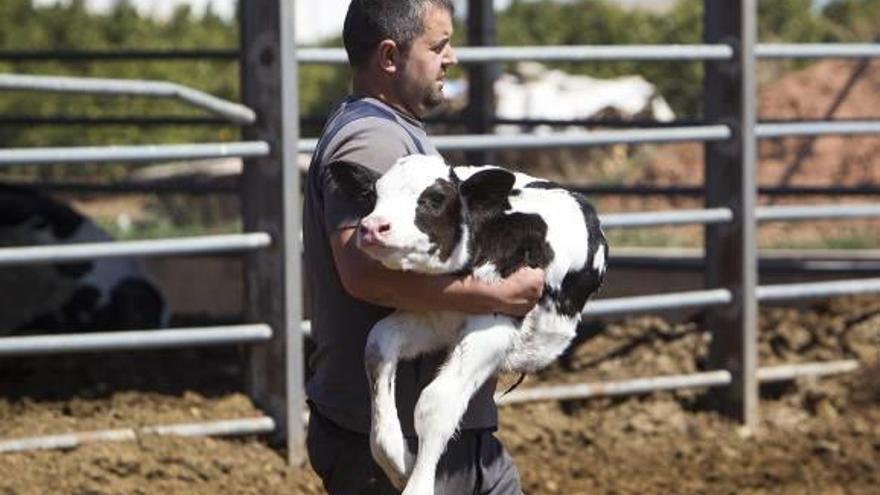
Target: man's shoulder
x=370 y=132
x=373 y=126
x=371 y=141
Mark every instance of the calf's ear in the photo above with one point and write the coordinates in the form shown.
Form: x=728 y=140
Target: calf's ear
x=488 y=187
x=357 y=182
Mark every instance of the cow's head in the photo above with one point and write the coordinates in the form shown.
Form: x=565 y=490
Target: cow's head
x=414 y=214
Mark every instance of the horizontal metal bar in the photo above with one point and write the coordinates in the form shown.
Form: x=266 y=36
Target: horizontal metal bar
x=579 y=139
x=133 y=340
x=582 y=53
x=711 y=132
x=31 y=255
x=770 y=261
x=245 y=426
x=812 y=212
x=604 y=307
x=792 y=371
x=817 y=50
x=617 y=388
x=337 y=56
x=118 y=55
x=136 y=153
x=661 y=218
x=816 y=128
x=235 y=112
x=787 y=292
x=700 y=191
x=717 y=378
x=192 y=187
x=611 y=53
x=61 y=120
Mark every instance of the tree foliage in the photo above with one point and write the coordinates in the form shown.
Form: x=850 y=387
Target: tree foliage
x=854 y=20
x=68 y=26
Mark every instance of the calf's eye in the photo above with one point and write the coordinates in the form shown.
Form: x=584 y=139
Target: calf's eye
x=432 y=200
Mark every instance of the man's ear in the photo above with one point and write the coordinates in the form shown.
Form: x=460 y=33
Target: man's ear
x=387 y=56
x=487 y=188
x=357 y=182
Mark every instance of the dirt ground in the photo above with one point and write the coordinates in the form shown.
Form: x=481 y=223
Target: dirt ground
x=815 y=437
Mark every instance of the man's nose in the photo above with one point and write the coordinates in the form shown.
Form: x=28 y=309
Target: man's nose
x=451 y=58
x=372 y=229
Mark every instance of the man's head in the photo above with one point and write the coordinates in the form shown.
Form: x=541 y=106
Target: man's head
x=400 y=50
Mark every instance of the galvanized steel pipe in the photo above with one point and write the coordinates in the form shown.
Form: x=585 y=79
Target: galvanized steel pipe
x=813 y=212
x=688 y=52
x=604 y=307
x=787 y=292
x=671 y=382
x=662 y=218
x=815 y=128
x=559 y=53
x=247 y=426
x=133 y=340
x=234 y=112
x=817 y=50
x=132 y=154
x=793 y=371
x=467 y=142
x=159 y=247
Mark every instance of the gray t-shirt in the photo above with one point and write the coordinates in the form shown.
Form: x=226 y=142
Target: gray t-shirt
x=370 y=133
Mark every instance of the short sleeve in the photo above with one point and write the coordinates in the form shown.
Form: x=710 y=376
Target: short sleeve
x=374 y=143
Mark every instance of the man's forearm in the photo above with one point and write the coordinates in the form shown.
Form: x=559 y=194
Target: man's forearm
x=366 y=279
x=417 y=292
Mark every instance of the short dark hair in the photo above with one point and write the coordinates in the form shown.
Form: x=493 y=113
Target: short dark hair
x=368 y=22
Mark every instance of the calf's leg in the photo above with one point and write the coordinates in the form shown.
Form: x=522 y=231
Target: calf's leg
x=401 y=335
x=484 y=342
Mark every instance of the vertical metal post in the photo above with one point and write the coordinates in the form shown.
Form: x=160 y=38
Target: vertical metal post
x=295 y=395
x=731 y=249
x=481 y=80
x=270 y=203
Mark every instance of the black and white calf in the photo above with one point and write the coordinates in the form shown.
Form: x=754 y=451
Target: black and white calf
x=101 y=295
x=429 y=217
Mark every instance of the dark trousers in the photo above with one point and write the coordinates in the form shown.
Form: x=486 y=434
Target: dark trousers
x=474 y=463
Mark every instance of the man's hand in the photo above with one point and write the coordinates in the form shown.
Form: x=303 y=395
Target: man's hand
x=520 y=291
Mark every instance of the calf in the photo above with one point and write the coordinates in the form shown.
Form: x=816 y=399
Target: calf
x=101 y=295
x=428 y=217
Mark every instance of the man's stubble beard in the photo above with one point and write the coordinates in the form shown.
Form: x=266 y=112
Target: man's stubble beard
x=427 y=97
x=434 y=98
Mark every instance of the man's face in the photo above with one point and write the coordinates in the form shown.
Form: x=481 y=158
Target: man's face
x=420 y=82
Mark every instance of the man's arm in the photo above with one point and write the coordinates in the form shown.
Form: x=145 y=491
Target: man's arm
x=366 y=279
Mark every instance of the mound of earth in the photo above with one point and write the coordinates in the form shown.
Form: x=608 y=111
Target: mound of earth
x=827 y=90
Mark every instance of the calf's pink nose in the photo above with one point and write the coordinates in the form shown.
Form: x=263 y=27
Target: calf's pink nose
x=372 y=229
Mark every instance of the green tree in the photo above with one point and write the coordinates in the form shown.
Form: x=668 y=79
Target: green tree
x=854 y=20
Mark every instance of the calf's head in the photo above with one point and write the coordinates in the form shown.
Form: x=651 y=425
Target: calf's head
x=414 y=213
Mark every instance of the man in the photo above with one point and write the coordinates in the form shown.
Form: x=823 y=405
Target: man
x=399 y=51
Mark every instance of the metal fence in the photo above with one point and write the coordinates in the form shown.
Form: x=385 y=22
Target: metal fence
x=270 y=195
x=269 y=244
